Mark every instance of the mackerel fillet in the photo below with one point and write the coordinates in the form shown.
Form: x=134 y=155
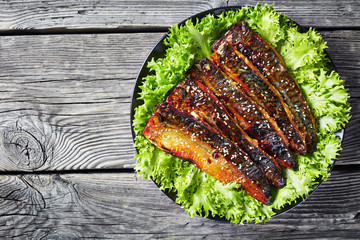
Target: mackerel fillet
x=247 y=114
x=183 y=136
x=272 y=66
x=238 y=67
x=197 y=100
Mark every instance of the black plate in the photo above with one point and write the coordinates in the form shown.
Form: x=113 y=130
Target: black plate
x=159 y=52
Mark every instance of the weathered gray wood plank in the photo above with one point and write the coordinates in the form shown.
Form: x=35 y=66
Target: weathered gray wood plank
x=69 y=96
x=343 y=47
x=350 y=151
x=58 y=15
x=65 y=99
x=119 y=206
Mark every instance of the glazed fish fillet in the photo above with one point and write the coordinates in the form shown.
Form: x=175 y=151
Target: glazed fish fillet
x=271 y=65
x=238 y=67
x=183 y=136
x=248 y=115
x=195 y=99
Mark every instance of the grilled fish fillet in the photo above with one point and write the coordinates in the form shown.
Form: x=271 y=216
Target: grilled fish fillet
x=185 y=137
x=248 y=115
x=238 y=67
x=195 y=99
x=271 y=65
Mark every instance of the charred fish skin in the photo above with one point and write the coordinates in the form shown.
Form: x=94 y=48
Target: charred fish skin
x=271 y=65
x=239 y=68
x=197 y=100
x=185 y=137
x=247 y=114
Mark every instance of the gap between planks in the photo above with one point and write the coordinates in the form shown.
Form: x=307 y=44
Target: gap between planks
x=112 y=171
x=64 y=31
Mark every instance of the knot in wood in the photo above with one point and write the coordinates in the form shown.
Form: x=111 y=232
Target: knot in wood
x=22 y=148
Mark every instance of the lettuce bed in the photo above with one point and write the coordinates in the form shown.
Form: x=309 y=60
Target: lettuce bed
x=303 y=53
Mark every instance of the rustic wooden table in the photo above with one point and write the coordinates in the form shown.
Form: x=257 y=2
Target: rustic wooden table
x=67 y=73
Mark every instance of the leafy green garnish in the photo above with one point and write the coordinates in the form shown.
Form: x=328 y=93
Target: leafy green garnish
x=201 y=40
x=303 y=53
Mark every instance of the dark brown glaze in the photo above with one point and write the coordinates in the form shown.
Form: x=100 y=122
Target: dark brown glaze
x=185 y=137
x=270 y=64
x=197 y=100
x=248 y=115
x=238 y=67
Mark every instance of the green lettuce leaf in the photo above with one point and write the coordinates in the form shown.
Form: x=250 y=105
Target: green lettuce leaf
x=303 y=53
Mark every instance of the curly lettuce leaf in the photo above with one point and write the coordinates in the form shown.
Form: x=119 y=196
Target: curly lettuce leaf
x=303 y=53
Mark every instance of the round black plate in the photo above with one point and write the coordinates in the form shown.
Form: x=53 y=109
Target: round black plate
x=159 y=52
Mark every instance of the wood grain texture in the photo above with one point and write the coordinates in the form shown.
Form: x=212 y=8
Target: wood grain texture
x=58 y=15
x=65 y=99
x=349 y=155
x=69 y=97
x=65 y=104
x=343 y=48
x=83 y=205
